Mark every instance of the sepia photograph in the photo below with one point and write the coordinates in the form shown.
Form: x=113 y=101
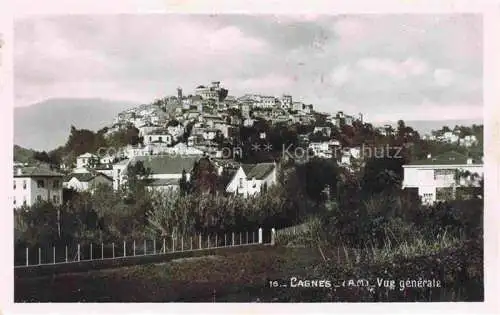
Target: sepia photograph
x=251 y=158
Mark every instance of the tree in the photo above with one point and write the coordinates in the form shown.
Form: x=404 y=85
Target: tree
x=138 y=177
x=42 y=157
x=185 y=186
x=37 y=225
x=319 y=177
x=383 y=173
x=219 y=139
x=204 y=176
x=223 y=94
x=173 y=123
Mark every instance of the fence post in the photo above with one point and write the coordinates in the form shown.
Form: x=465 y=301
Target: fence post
x=145 y=248
x=54 y=254
x=113 y=249
x=133 y=248
x=253 y=237
x=225 y=239
x=273 y=236
x=39 y=256
x=102 y=250
x=91 y=251
x=240 y=238
x=164 y=246
x=27 y=257
x=173 y=243
x=191 y=242
x=216 y=241
x=124 y=248
x=199 y=236
x=66 y=253
x=260 y=235
x=247 y=237
x=78 y=255
x=154 y=246
x=182 y=243
x=208 y=240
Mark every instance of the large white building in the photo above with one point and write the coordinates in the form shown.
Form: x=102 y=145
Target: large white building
x=438 y=178
x=209 y=92
x=165 y=170
x=158 y=136
x=86 y=160
x=36 y=183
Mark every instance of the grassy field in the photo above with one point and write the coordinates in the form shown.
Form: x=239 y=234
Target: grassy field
x=240 y=277
x=244 y=277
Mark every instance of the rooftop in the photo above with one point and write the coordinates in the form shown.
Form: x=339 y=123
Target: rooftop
x=164 y=182
x=448 y=158
x=35 y=171
x=258 y=171
x=85 y=177
x=165 y=164
x=87 y=155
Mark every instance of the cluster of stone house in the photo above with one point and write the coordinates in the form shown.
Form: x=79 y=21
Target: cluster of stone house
x=39 y=183
x=168 y=153
x=435 y=179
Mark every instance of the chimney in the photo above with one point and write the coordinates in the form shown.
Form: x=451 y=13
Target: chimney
x=429 y=155
x=19 y=171
x=469 y=161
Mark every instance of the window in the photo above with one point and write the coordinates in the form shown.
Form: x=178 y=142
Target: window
x=241 y=183
x=40 y=183
x=55 y=198
x=160 y=139
x=39 y=198
x=24 y=201
x=447 y=174
x=14 y=200
x=56 y=184
x=24 y=184
x=14 y=184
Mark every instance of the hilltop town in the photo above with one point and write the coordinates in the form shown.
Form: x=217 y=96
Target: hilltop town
x=245 y=138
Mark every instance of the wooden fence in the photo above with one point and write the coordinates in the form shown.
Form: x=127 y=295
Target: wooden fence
x=77 y=253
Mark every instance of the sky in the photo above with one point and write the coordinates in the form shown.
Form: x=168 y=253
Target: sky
x=387 y=67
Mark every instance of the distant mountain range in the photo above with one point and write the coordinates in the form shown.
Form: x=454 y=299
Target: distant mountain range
x=426 y=126
x=46 y=125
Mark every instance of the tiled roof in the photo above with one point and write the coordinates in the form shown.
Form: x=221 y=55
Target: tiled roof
x=258 y=171
x=165 y=164
x=36 y=171
x=448 y=158
x=164 y=182
x=85 y=177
